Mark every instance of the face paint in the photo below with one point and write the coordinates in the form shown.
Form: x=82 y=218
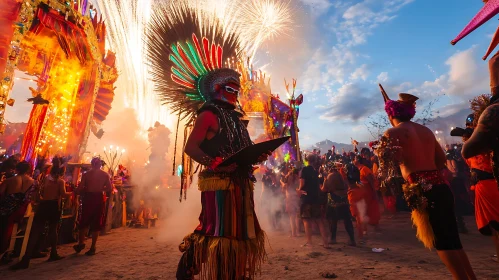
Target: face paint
x=228 y=93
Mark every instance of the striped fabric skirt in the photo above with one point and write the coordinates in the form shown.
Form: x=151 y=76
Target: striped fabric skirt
x=228 y=243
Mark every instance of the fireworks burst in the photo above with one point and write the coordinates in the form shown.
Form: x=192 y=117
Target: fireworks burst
x=263 y=20
x=255 y=20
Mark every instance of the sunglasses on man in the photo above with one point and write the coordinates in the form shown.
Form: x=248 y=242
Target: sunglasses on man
x=231 y=90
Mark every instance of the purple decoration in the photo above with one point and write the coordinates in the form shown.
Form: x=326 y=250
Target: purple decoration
x=489 y=10
x=399 y=109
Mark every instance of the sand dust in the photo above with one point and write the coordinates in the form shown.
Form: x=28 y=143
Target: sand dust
x=145 y=254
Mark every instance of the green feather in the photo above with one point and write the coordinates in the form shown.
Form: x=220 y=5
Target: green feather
x=199 y=64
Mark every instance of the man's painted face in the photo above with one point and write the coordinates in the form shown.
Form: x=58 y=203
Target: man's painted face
x=229 y=93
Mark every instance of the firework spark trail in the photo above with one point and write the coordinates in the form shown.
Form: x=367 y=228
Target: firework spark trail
x=126 y=21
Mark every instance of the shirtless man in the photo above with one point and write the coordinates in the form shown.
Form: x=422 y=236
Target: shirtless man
x=52 y=191
x=15 y=187
x=422 y=160
x=19 y=183
x=94 y=186
x=485 y=138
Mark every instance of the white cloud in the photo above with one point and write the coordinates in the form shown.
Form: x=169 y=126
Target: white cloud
x=327 y=69
x=358 y=21
x=351 y=102
x=335 y=71
x=382 y=77
x=336 y=66
x=467 y=76
x=359 y=10
x=360 y=73
x=403 y=87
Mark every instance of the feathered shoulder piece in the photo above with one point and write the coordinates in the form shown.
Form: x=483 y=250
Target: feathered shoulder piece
x=188 y=53
x=478 y=105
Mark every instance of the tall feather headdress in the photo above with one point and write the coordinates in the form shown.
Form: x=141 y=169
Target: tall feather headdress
x=478 y=105
x=186 y=52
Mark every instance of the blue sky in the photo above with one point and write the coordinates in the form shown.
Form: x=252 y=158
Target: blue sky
x=340 y=49
x=343 y=48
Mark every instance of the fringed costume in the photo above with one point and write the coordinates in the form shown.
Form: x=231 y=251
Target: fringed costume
x=186 y=53
x=432 y=203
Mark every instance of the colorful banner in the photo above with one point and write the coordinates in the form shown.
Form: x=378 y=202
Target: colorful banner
x=35 y=124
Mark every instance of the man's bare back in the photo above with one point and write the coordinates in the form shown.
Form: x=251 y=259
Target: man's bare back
x=17 y=184
x=95 y=180
x=54 y=189
x=420 y=149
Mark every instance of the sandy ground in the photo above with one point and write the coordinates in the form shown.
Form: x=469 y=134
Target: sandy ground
x=146 y=254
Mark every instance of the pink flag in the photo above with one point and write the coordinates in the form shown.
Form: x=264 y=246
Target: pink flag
x=490 y=9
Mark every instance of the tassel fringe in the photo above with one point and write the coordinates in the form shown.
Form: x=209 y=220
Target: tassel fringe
x=424 y=231
x=227 y=259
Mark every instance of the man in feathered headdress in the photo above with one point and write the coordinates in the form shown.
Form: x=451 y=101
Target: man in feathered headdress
x=485 y=138
x=421 y=160
x=194 y=80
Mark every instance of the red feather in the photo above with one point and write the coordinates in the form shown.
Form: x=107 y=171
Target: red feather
x=198 y=49
x=186 y=60
x=206 y=46
x=220 y=54
x=182 y=82
x=213 y=55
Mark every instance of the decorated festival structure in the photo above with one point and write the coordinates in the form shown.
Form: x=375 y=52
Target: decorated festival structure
x=281 y=119
x=254 y=97
x=62 y=45
x=270 y=117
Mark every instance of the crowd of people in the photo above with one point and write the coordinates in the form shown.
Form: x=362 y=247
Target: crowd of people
x=46 y=191
x=330 y=188
x=406 y=166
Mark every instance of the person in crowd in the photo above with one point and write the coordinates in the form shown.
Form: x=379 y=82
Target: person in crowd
x=370 y=185
x=485 y=137
x=338 y=207
x=15 y=196
x=8 y=167
x=94 y=187
x=52 y=191
x=357 y=200
x=421 y=160
x=269 y=201
x=365 y=153
x=311 y=210
x=329 y=155
x=291 y=183
x=458 y=181
x=484 y=185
